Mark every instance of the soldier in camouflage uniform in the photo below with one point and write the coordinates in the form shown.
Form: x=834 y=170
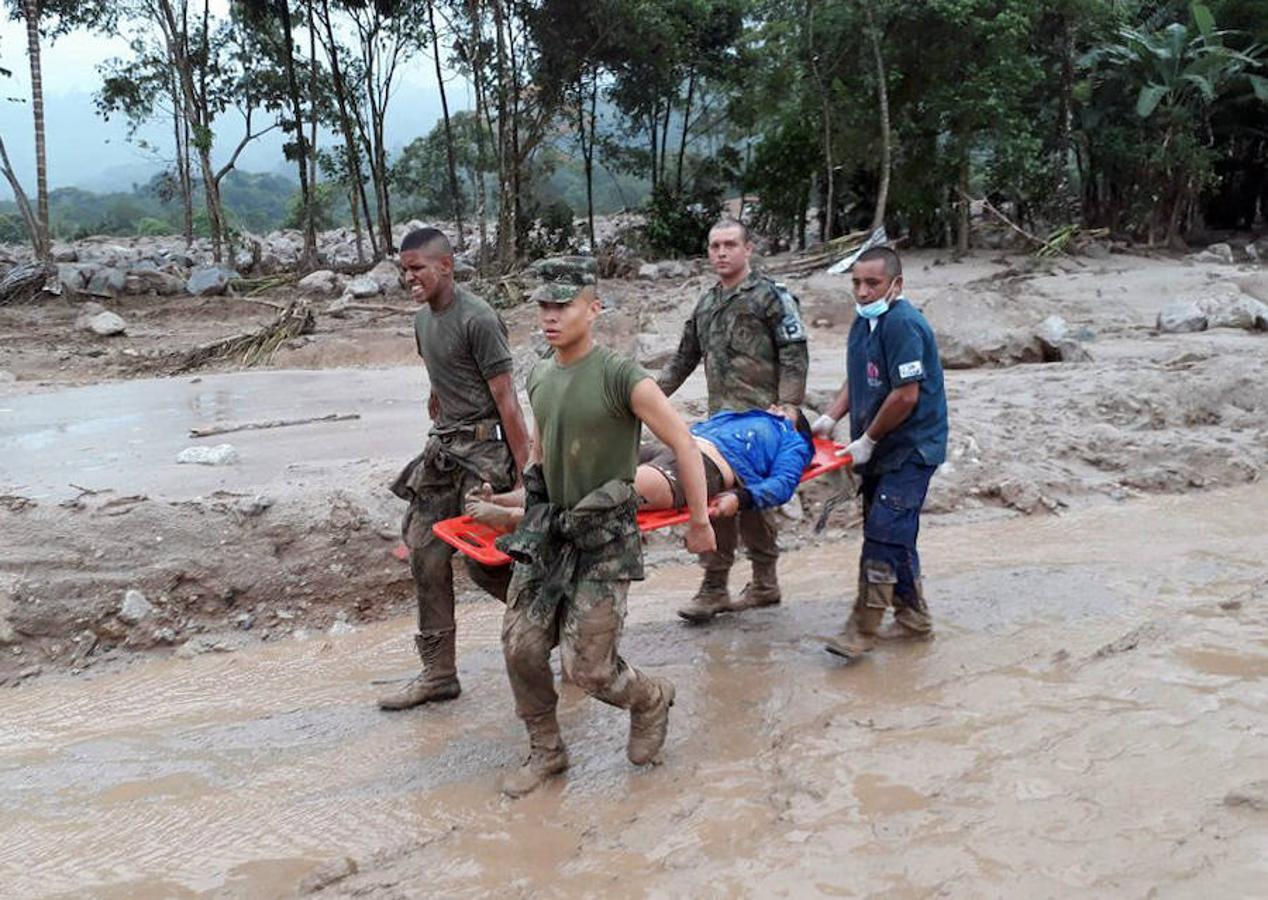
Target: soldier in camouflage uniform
x=748 y=330
x=578 y=548
x=478 y=437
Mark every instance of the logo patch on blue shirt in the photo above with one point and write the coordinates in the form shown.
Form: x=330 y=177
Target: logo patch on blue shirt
x=914 y=369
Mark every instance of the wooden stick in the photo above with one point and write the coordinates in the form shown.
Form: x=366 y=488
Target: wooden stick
x=1017 y=228
x=209 y=430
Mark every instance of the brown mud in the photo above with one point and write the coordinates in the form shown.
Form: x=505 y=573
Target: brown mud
x=1089 y=720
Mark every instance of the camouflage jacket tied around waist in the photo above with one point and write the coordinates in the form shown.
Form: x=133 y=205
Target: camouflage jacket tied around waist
x=596 y=540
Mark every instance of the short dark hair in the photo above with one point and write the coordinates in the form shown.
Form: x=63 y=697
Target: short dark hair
x=803 y=427
x=893 y=265
x=731 y=223
x=427 y=239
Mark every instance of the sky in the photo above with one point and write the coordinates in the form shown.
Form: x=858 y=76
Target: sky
x=86 y=151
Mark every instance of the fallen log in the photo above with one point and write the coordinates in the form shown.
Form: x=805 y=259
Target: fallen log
x=209 y=430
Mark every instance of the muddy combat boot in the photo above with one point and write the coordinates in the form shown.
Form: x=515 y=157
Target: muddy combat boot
x=911 y=620
x=763 y=590
x=439 y=678
x=648 y=726
x=859 y=634
x=712 y=598
x=547 y=757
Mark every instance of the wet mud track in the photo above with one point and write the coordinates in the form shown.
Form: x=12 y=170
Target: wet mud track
x=1090 y=720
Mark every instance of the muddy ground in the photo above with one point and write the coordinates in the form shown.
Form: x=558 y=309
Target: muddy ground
x=1090 y=719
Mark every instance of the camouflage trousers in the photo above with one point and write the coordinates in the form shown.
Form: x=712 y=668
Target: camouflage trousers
x=756 y=527
x=435 y=485
x=587 y=629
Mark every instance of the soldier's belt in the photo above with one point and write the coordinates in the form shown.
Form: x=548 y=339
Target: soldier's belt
x=481 y=431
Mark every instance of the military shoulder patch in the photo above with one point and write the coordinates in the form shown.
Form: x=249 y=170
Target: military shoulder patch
x=790 y=329
x=913 y=369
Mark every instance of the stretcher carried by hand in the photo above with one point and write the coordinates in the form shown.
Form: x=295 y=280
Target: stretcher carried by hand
x=476 y=540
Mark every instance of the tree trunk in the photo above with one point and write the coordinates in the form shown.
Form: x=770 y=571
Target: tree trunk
x=654 y=130
x=686 y=122
x=587 y=145
x=312 y=100
x=455 y=196
x=882 y=97
x=962 y=233
x=40 y=237
x=506 y=201
x=308 y=259
x=345 y=126
x=356 y=224
x=20 y=198
x=481 y=114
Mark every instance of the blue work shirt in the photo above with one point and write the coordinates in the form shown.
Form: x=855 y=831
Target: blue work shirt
x=899 y=350
x=766 y=452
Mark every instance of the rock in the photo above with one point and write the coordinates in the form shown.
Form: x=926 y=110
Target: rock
x=572 y=269
x=654 y=349
x=134 y=607
x=219 y=455
x=323 y=281
x=675 y=268
x=7 y=377
x=1252 y=253
x=648 y=272
x=339 y=627
x=1071 y=351
x=339 y=306
x=65 y=254
x=1239 y=311
x=1051 y=332
x=463 y=271
x=1096 y=250
x=1252 y=796
x=387 y=275
x=1023 y=497
x=793 y=510
x=71 y=277
x=250 y=507
x=209 y=281
x=363 y=286
x=196 y=646
x=327 y=874
x=1181 y=318
x=103 y=324
x=152 y=281
x=1220 y=253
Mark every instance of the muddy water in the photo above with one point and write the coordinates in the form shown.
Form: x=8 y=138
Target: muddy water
x=1091 y=720
x=126 y=435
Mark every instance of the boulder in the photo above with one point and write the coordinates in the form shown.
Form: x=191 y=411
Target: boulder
x=571 y=269
x=1051 y=332
x=152 y=281
x=648 y=272
x=134 y=607
x=72 y=278
x=104 y=324
x=1239 y=311
x=1096 y=250
x=219 y=455
x=1181 y=318
x=654 y=349
x=1219 y=253
x=65 y=254
x=323 y=281
x=209 y=281
x=387 y=275
x=363 y=286
x=676 y=268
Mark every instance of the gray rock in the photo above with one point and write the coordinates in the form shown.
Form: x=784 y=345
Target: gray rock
x=65 y=254
x=571 y=269
x=219 y=455
x=209 y=281
x=1096 y=250
x=1071 y=351
x=153 y=281
x=72 y=278
x=1052 y=331
x=676 y=268
x=323 y=281
x=387 y=275
x=1237 y=311
x=7 y=377
x=104 y=324
x=134 y=607
x=648 y=272
x=1181 y=318
x=654 y=349
x=463 y=271
x=1252 y=253
x=362 y=287
x=1220 y=253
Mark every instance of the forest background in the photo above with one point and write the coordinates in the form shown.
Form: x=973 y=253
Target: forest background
x=1149 y=119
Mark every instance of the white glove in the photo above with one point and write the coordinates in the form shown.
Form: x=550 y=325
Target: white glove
x=823 y=426
x=860 y=451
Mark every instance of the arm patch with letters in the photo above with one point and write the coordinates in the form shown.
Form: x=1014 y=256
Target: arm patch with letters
x=790 y=329
x=914 y=369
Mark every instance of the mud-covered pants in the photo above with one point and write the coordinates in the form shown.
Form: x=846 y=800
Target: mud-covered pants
x=756 y=527
x=587 y=629
x=439 y=486
x=891 y=523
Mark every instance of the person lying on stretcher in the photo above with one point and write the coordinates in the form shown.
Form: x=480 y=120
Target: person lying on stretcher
x=751 y=459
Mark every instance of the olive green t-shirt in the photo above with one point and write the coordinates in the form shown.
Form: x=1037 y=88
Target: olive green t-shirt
x=588 y=430
x=463 y=346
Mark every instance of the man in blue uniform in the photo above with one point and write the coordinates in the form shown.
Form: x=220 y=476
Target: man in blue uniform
x=898 y=428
